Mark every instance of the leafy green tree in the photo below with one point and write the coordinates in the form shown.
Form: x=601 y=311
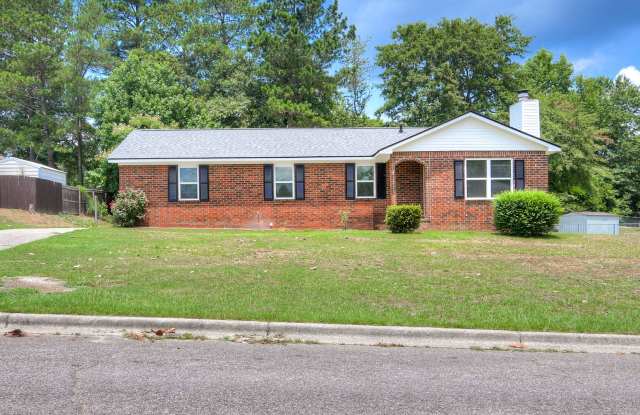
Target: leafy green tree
x=542 y=75
x=296 y=43
x=626 y=153
x=616 y=104
x=434 y=73
x=31 y=45
x=152 y=25
x=215 y=54
x=576 y=173
x=354 y=79
x=150 y=84
x=84 y=54
x=104 y=175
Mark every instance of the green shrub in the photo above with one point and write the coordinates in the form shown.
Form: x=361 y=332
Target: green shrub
x=129 y=207
x=526 y=213
x=103 y=210
x=403 y=218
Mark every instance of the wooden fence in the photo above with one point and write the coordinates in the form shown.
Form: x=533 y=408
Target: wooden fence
x=34 y=194
x=72 y=201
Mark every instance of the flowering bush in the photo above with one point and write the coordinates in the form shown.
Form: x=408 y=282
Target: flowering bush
x=129 y=207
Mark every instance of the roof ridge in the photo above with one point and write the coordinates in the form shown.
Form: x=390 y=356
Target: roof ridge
x=273 y=128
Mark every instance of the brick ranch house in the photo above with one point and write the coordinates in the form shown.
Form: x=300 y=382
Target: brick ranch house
x=305 y=177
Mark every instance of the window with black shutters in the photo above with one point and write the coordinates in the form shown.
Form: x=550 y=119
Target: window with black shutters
x=487 y=178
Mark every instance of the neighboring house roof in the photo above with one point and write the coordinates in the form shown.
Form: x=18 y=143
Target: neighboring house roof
x=284 y=143
x=23 y=162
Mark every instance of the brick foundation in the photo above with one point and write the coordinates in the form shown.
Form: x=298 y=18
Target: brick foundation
x=236 y=195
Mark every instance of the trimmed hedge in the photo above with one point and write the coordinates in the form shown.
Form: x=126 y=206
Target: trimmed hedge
x=526 y=212
x=403 y=218
x=129 y=208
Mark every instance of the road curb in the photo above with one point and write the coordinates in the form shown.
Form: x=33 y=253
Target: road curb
x=328 y=333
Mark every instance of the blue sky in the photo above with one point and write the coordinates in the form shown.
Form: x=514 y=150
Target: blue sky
x=599 y=37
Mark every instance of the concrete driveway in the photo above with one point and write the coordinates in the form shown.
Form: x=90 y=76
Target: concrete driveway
x=13 y=237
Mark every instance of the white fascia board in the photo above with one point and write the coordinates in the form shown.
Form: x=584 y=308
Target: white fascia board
x=550 y=148
x=381 y=158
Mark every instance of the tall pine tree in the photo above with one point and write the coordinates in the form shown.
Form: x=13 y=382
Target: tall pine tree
x=296 y=44
x=31 y=83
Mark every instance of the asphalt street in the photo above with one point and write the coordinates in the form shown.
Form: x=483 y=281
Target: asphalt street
x=112 y=375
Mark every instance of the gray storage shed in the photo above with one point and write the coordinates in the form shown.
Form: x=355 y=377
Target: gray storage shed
x=590 y=222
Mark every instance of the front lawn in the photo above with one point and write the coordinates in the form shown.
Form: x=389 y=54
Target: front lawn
x=445 y=279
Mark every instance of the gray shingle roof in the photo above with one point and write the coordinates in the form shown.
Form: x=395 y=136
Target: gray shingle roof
x=258 y=143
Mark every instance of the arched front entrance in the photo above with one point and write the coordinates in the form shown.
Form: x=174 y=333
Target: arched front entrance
x=409 y=184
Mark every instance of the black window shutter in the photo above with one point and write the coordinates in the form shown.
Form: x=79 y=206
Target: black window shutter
x=268 y=182
x=350 y=180
x=204 y=183
x=299 y=178
x=381 y=183
x=458 y=177
x=173 y=183
x=518 y=174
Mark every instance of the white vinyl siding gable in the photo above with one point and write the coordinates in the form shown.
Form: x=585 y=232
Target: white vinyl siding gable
x=471 y=134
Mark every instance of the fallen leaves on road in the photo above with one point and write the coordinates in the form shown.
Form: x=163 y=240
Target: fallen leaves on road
x=15 y=333
x=134 y=336
x=272 y=339
x=518 y=345
x=162 y=332
x=169 y=334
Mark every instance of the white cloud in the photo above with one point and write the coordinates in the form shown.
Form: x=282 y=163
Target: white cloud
x=588 y=63
x=631 y=73
x=583 y=63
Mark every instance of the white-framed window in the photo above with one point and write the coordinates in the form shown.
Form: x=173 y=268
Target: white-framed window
x=188 y=188
x=283 y=182
x=365 y=180
x=486 y=178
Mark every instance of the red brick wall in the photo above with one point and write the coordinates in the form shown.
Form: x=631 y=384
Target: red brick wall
x=409 y=183
x=443 y=211
x=236 y=200
x=236 y=195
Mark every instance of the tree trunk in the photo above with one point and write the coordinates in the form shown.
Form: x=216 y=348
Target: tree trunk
x=79 y=141
x=50 y=160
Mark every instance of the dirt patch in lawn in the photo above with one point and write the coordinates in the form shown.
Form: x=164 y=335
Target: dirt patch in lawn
x=41 y=284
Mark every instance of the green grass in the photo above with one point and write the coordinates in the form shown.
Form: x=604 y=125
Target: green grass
x=6 y=223
x=447 y=279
